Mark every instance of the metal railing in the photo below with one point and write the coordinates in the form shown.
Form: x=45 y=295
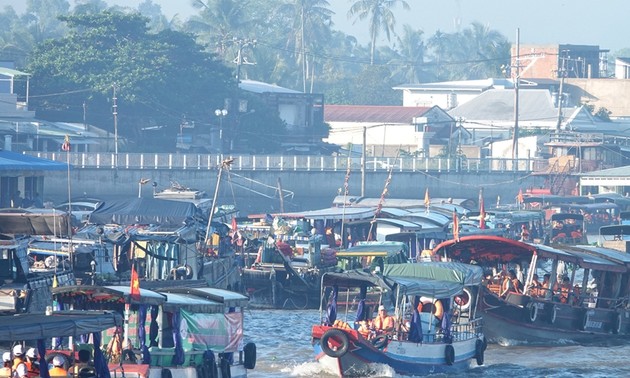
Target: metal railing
x=179 y=161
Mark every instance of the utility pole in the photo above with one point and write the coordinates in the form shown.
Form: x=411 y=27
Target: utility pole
x=516 y=85
x=561 y=74
x=363 y=151
x=242 y=43
x=115 y=113
x=303 y=49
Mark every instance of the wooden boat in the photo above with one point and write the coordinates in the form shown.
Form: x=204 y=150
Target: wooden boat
x=567 y=228
x=41 y=327
x=589 y=306
x=420 y=344
x=194 y=332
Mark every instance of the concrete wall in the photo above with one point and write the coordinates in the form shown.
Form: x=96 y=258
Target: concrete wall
x=612 y=94
x=312 y=190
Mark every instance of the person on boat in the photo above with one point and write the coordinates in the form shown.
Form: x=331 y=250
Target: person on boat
x=19 y=363
x=383 y=323
x=364 y=329
x=564 y=289
x=58 y=370
x=524 y=233
x=510 y=284
x=83 y=362
x=576 y=235
x=544 y=286
x=534 y=288
x=5 y=370
x=32 y=365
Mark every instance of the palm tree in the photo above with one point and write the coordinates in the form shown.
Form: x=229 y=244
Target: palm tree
x=380 y=15
x=312 y=21
x=409 y=65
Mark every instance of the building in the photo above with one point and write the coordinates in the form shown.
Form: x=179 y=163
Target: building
x=553 y=61
x=387 y=129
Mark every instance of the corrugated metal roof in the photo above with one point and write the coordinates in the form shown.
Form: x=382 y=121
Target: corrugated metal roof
x=498 y=105
x=260 y=87
x=376 y=114
x=12 y=161
x=611 y=172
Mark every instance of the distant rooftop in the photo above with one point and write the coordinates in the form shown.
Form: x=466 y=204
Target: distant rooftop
x=367 y=113
x=260 y=87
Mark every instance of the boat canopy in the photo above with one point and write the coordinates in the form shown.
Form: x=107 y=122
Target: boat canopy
x=463 y=274
x=226 y=297
x=145 y=211
x=175 y=302
x=440 y=280
x=374 y=248
x=590 y=261
x=33 y=326
x=111 y=292
x=333 y=213
x=607 y=253
x=491 y=248
x=552 y=199
x=615 y=230
x=35 y=222
x=565 y=216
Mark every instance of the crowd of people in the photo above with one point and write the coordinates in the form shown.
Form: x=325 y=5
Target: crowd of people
x=20 y=364
x=562 y=290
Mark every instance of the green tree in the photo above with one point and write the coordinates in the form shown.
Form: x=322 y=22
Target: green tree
x=373 y=86
x=409 y=65
x=115 y=49
x=381 y=18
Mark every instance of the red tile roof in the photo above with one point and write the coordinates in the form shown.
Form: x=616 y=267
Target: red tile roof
x=367 y=113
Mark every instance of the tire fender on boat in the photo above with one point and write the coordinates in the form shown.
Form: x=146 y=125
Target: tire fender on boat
x=249 y=352
x=449 y=354
x=380 y=341
x=479 y=351
x=584 y=320
x=531 y=312
x=553 y=312
x=340 y=337
x=617 y=328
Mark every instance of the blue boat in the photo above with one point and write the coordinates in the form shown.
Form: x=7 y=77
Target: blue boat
x=436 y=330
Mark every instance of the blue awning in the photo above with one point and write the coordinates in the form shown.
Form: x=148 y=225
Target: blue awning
x=12 y=161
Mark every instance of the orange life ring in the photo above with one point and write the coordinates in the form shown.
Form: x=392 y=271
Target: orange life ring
x=438 y=309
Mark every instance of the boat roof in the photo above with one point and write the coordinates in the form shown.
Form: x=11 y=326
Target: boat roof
x=373 y=248
x=109 y=292
x=565 y=216
x=189 y=302
x=34 y=326
x=333 y=213
x=555 y=199
x=226 y=297
x=592 y=206
x=615 y=230
x=607 y=253
x=463 y=274
x=492 y=248
x=33 y=222
x=405 y=225
x=439 y=280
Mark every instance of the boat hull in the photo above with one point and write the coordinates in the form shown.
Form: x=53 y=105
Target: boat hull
x=404 y=357
x=550 y=323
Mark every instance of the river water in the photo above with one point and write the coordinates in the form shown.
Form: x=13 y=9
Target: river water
x=283 y=341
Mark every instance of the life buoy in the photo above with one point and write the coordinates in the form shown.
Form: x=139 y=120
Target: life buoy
x=449 y=354
x=380 y=341
x=531 y=312
x=434 y=306
x=479 y=350
x=166 y=373
x=249 y=360
x=340 y=338
x=462 y=301
x=225 y=368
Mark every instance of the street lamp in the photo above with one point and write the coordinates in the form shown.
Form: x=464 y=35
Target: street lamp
x=221 y=113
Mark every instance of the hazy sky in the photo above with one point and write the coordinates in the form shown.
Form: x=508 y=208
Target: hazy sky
x=578 y=22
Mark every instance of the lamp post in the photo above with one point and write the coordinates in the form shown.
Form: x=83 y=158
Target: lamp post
x=221 y=113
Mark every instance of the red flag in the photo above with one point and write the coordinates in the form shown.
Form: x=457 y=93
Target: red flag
x=234 y=225
x=427 y=200
x=66 y=144
x=482 y=215
x=135 y=284
x=455 y=226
